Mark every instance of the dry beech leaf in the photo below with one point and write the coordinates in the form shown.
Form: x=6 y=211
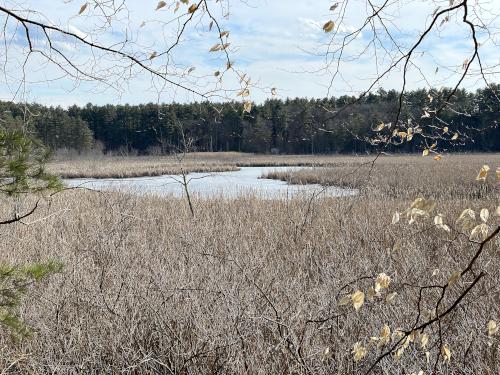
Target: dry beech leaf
x=273 y=91
x=185 y=1
x=424 y=339
x=160 y=5
x=358 y=299
x=334 y=6
x=385 y=336
x=142 y=24
x=483 y=173
x=390 y=297
x=153 y=55
x=243 y=93
x=492 y=328
x=395 y=218
x=224 y=33
x=484 y=215
x=192 y=8
x=438 y=157
x=82 y=8
x=382 y=282
x=359 y=352
x=177 y=5
x=216 y=47
x=328 y=27
x=446 y=353
x=217 y=73
x=191 y=69
x=454 y=278
x=480 y=232
x=247 y=106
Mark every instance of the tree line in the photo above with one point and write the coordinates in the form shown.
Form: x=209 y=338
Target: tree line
x=290 y=126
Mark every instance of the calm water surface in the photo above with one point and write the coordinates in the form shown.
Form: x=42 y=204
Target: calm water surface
x=226 y=184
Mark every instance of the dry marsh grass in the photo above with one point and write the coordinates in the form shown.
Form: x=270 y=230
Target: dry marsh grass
x=119 y=167
x=251 y=286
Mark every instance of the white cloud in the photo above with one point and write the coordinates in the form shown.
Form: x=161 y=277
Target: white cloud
x=278 y=43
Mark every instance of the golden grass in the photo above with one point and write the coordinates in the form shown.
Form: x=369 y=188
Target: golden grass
x=252 y=286
x=118 y=167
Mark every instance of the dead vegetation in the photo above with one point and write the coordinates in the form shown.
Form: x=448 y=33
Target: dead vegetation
x=254 y=286
x=134 y=166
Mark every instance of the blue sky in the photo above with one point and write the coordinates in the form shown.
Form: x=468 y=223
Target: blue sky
x=277 y=43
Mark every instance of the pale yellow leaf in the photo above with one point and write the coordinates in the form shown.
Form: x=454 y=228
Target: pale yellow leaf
x=455 y=137
x=359 y=352
x=438 y=220
x=484 y=215
x=498 y=174
x=379 y=127
x=445 y=130
x=483 y=173
x=243 y=93
x=385 y=335
x=247 y=106
x=492 y=328
x=358 y=299
x=480 y=232
x=497 y=211
x=446 y=353
x=424 y=339
x=382 y=281
x=395 y=218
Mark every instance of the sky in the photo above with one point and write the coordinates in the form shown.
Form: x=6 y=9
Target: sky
x=276 y=43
